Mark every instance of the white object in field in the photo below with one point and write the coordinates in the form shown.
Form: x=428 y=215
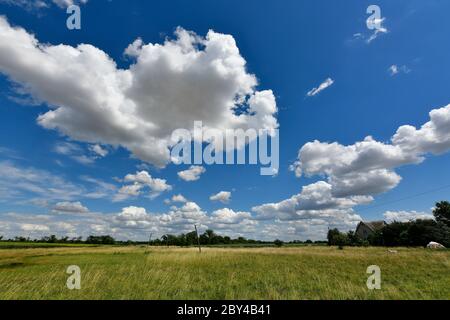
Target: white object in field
x=435 y=245
x=392 y=251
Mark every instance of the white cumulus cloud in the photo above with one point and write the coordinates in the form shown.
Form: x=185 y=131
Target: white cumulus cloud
x=179 y=198
x=140 y=182
x=69 y=207
x=192 y=174
x=169 y=86
x=356 y=173
x=222 y=196
x=406 y=216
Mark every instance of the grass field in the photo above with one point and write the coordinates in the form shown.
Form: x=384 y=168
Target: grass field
x=32 y=245
x=221 y=273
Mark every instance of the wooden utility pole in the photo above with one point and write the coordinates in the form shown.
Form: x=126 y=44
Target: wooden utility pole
x=150 y=239
x=198 y=239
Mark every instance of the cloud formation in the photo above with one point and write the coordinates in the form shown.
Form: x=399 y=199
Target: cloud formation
x=38 y=5
x=179 y=198
x=356 y=173
x=36 y=186
x=67 y=3
x=138 y=183
x=222 y=196
x=169 y=86
x=395 y=70
x=367 y=167
x=43 y=4
x=406 y=216
x=69 y=207
x=192 y=174
x=378 y=30
x=75 y=152
x=324 y=85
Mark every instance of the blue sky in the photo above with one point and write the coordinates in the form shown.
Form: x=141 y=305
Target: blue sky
x=291 y=48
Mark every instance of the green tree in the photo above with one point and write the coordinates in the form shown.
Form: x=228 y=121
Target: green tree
x=342 y=240
x=191 y=238
x=209 y=237
x=442 y=212
x=332 y=236
x=353 y=239
x=278 y=243
x=396 y=234
x=241 y=240
x=100 y=240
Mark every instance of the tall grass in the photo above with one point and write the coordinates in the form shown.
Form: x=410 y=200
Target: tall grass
x=219 y=273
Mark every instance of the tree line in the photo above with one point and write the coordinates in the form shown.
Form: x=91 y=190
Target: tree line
x=66 y=240
x=209 y=237
x=413 y=233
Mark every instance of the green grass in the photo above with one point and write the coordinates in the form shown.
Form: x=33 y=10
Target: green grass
x=223 y=273
x=29 y=245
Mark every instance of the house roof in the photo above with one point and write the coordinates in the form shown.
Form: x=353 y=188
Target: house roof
x=375 y=225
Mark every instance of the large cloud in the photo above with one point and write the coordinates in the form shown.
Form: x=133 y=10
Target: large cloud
x=315 y=201
x=169 y=86
x=433 y=137
x=367 y=167
x=356 y=173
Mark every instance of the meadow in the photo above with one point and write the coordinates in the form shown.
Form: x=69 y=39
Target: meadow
x=140 y=272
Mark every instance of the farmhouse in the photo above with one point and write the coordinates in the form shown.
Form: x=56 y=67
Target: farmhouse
x=365 y=229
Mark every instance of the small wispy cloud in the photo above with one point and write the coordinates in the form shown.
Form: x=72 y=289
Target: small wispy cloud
x=324 y=85
x=395 y=70
x=38 y=5
x=28 y=5
x=378 y=31
x=78 y=154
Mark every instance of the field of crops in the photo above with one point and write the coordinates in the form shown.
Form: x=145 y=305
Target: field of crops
x=223 y=273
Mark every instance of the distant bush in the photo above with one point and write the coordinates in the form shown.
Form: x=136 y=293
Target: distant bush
x=337 y=238
x=278 y=243
x=100 y=240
